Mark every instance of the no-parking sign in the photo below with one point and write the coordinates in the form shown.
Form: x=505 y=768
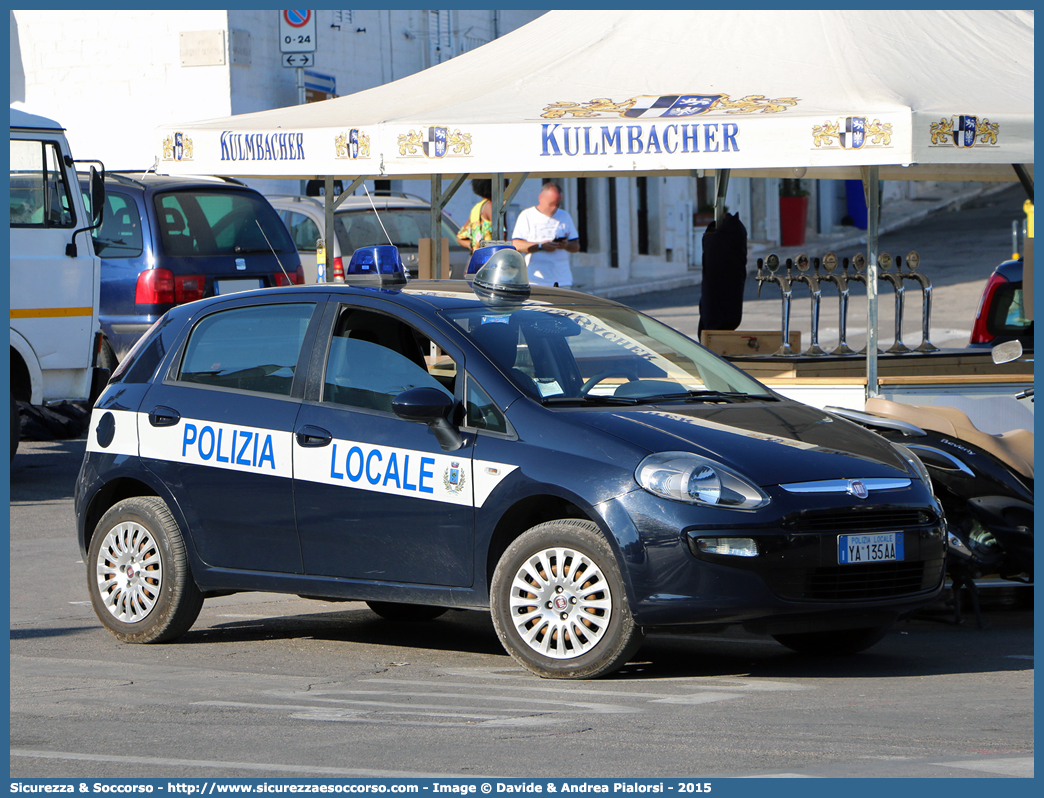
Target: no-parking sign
x=297 y=31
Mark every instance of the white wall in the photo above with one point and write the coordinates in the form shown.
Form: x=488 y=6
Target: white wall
x=112 y=77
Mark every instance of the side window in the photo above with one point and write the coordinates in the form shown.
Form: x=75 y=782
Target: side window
x=303 y=231
x=374 y=357
x=482 y=412
x=249 y=349
x=120 y=233
x=40 y=195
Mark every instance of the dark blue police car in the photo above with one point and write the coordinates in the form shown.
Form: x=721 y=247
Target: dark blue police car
x=583 y=471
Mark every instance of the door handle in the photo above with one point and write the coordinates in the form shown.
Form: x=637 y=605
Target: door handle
x=164 y=417
x=313 y=437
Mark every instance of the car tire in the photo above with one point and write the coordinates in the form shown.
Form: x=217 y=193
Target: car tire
x=107 y=357
x=834 y=644
x=392 y=611
x=138 y=574
x=558 y=603
x=16 y=426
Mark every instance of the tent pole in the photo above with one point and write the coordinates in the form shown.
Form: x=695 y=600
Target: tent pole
x=512 y=189
x=1025 y=178
x=871 y=189
x=721 y=186
x=328 y=224
x=349 y=191
x=498 y=203
x=436 y=226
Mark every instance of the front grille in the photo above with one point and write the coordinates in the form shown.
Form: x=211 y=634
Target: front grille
x=859 y=582
x=855 y=519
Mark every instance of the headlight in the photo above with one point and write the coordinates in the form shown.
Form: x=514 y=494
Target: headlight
x=685 y=477
x=916 y=466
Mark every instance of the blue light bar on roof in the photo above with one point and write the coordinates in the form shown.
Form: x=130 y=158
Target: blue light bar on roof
x=379 y=265
x=483 y=254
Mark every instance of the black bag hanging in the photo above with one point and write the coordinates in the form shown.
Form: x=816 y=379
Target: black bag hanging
x=724 y=275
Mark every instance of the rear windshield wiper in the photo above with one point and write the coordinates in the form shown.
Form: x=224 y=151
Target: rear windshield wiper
x=589 y=400
x=251 y=251
x=706 y=396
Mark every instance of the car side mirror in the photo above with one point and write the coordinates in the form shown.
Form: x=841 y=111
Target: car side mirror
x=1007 y=352
x=432 y=407
x=97 y=196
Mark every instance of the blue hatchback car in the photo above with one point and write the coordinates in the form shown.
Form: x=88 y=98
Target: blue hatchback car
x=164 y=241
x=581 y=470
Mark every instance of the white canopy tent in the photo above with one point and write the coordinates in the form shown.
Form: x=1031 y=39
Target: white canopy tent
x=901 y=95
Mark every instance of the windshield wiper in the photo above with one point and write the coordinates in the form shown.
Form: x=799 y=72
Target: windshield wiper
x=588 y=400
x=705 y=396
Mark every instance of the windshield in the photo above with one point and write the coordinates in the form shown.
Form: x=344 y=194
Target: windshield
x=405 y=228
x=217 y=222
x=609 y=355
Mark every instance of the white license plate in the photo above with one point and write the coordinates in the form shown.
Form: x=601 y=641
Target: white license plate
x=885 y=547
x=232 y=286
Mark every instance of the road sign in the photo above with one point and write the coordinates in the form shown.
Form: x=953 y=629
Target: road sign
x=318 y=81
x=298 y=59
x=297 y=34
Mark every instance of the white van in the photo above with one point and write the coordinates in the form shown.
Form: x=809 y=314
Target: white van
x=55 y=275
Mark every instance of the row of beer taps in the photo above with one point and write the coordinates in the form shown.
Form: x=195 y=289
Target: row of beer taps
x=769 y=272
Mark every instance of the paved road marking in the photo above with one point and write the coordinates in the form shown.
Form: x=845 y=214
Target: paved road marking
x=1019 y=767
x=507 y=702
x=266 y=767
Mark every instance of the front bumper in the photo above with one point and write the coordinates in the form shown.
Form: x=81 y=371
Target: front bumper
x=795 y=583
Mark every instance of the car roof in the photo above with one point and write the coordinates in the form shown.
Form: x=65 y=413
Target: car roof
x=1011 y=269
x=142 y=180
x=350 y=203
x=421 y=296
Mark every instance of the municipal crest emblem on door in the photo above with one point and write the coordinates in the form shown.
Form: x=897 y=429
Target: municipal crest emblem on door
x=453 y=477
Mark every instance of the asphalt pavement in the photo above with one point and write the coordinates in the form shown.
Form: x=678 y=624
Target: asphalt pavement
x=274 y=686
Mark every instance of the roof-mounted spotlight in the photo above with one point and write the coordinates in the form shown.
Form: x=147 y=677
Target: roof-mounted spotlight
x=503 y=281
x=483 y=254
x=377 y=266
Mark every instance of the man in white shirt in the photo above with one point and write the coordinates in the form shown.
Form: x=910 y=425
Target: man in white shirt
x=546 y=235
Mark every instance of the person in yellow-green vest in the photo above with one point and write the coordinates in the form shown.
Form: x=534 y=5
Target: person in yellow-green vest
x=479 y=227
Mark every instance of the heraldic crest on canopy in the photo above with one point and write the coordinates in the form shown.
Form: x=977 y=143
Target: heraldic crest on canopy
x=964 y=131
x=646 y=106
x=435 y=142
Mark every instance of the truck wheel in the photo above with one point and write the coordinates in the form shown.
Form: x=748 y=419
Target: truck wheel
x=834 y=644
x=138 y=574
x=16 y=426
x=558 y=603
x=107 y=357
x=392 y=611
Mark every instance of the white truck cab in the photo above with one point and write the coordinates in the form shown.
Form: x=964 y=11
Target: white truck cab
x=55 y=275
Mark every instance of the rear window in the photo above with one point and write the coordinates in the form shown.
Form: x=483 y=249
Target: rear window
x=1007 y=316
x=203 y=222
x=405 y=228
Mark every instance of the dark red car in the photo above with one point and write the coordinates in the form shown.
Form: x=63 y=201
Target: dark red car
x=1001 y=315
